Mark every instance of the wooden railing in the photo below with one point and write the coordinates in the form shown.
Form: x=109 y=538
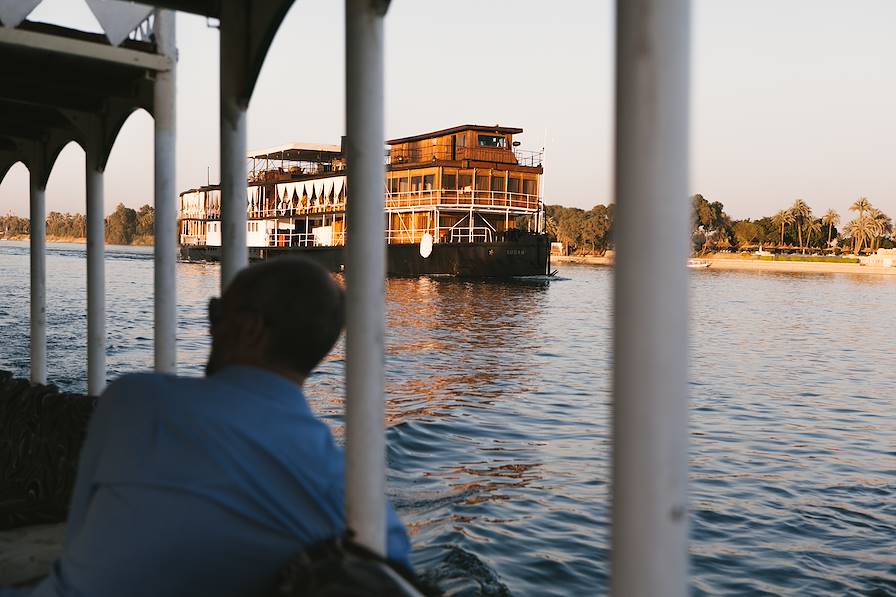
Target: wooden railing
x=491 y=199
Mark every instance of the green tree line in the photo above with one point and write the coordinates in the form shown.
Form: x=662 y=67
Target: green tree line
x=581 y=231
x=124 y=226
x=795 y=229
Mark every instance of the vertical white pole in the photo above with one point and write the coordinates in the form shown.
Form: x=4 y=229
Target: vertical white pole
x=472 y=201
x=38 y=236
x=96 y=275
x=650 y=429
x=234 y=39
x=365 y=276
x=165 y=275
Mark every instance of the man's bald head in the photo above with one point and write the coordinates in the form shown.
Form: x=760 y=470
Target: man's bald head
x=283 y=314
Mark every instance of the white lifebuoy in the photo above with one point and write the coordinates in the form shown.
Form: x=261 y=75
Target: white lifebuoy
x=426 y=245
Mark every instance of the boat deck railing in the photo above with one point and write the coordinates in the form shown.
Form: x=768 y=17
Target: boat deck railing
x=192 y=239
x=497 y=155
x=443 y=198
x=477 y=234
x=285 y=238
x=277 y=174
x=462 y=198
x=459 y=234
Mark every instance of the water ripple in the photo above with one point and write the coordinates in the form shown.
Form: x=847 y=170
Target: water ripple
x=499 y=418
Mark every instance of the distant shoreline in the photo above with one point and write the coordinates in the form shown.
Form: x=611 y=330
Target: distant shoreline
x=582 y=259
x=80 y=240
x=740 y=263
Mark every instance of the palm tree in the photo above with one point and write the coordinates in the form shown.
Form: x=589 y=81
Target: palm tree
x=881 y=224
x=863 y=227
x=831 y=218
x=861 y=206
x=782 y=218
x=851 y=231
x=801 y=213
x=812 y=228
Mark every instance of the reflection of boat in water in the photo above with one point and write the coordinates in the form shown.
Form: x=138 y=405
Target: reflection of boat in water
x=697 y=263
x=460 y=201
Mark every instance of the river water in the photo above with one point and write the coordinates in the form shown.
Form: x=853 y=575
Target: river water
x=499 y=421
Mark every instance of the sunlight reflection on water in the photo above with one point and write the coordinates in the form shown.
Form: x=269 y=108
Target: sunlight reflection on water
x=498 y=418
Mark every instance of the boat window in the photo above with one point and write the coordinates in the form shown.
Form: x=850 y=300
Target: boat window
x=513 y=185
x=429 y=181
x=393 y=185
x=449 y=181
x=461 y=140
x=481 y=183
x=403 y=185
x=529 y=187
x=465 y=182
x=498 y=183
x=492 y=141
x=416 y=183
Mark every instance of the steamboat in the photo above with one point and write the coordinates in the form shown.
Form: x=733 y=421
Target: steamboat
x=462 y=201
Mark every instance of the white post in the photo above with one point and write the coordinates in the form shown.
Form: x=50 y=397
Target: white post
x=472 y=201
x=96 y=275
x=165 y=275
x=38 y=236
x=365 y=275
x=234 y=39
x=650 y=408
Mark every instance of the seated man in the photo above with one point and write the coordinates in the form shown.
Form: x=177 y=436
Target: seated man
x=209 y=486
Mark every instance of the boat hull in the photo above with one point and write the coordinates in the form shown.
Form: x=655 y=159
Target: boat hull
x=529 y=256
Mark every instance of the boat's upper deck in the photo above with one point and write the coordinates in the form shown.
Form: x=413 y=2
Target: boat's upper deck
x=294 y=162
x=463 y=145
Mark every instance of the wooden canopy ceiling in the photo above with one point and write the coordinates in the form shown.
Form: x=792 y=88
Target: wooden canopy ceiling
x=59 y=85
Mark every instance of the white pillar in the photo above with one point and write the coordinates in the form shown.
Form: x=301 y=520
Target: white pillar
x=96 y=276
x=365 y=276
x=650 y=408
x=164 y=114
x=234 y=40
x=38 y=236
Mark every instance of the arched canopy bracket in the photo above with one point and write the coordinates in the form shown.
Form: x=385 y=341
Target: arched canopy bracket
x=254 y=24
x=63 y=85
x=38 y=155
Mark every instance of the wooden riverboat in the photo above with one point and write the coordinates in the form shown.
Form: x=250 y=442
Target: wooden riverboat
x=460 y=201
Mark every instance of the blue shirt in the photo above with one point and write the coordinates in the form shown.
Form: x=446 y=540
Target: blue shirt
x=191 y=486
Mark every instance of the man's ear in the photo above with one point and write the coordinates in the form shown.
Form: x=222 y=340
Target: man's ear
x=253 y=331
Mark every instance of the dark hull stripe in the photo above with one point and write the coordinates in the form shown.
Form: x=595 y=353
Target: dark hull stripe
x=526 y=257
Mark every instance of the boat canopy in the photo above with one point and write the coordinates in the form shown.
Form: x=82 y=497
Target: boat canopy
x=298 y=152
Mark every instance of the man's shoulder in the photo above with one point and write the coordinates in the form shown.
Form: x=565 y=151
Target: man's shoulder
x=139 y=391
x=136 y=386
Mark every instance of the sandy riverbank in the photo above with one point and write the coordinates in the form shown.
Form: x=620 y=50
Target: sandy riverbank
x=735 y=262
x=140 y=241
x=739 y=263
x=587 y=259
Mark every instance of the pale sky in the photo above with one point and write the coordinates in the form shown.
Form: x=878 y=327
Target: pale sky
x=790 y=99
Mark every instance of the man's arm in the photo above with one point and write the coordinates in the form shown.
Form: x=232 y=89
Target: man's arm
x=398 y=546
x=116 y=434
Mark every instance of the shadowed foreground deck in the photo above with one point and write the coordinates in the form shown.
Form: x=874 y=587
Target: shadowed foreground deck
x=27 y=553
x=41 y=434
